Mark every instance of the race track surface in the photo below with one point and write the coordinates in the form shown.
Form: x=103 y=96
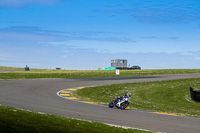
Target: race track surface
x=40 y=95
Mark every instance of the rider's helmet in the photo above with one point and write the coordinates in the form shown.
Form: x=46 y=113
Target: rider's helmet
x=128 y=94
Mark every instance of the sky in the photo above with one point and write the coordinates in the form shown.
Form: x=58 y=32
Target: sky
x=87 y=34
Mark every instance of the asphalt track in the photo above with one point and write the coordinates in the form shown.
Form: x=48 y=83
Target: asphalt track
x=40 y=95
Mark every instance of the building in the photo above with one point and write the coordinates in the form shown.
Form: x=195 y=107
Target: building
x=119 y=63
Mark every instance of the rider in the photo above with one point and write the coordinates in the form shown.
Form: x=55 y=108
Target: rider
x=117 y=99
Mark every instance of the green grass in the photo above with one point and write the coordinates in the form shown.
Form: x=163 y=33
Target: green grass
x=20 y=121
x=18 y=69
x=10 y=68
x=45 y=73
x=163 y=96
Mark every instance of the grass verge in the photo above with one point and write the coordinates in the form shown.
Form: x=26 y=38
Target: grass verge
x=163 y=96
x=20 y=121
x=10 y=68
x=45 y=73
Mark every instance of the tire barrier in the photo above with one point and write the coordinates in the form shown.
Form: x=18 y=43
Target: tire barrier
x=27 y=68
x=195 y=93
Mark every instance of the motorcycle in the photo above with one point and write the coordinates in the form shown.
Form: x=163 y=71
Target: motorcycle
x=121 y=102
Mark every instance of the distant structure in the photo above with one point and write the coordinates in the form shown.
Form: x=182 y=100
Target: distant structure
x=119 y=63
x=58 y=68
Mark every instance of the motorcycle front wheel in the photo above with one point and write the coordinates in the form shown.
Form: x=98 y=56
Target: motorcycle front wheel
x=124 y=105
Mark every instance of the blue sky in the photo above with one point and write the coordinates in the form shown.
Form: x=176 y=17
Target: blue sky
x=86 y=34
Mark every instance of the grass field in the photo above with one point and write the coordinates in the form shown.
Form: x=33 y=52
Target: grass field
x=163 y=96
x=19 y=121
x=45 y=73
x=10 y=68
